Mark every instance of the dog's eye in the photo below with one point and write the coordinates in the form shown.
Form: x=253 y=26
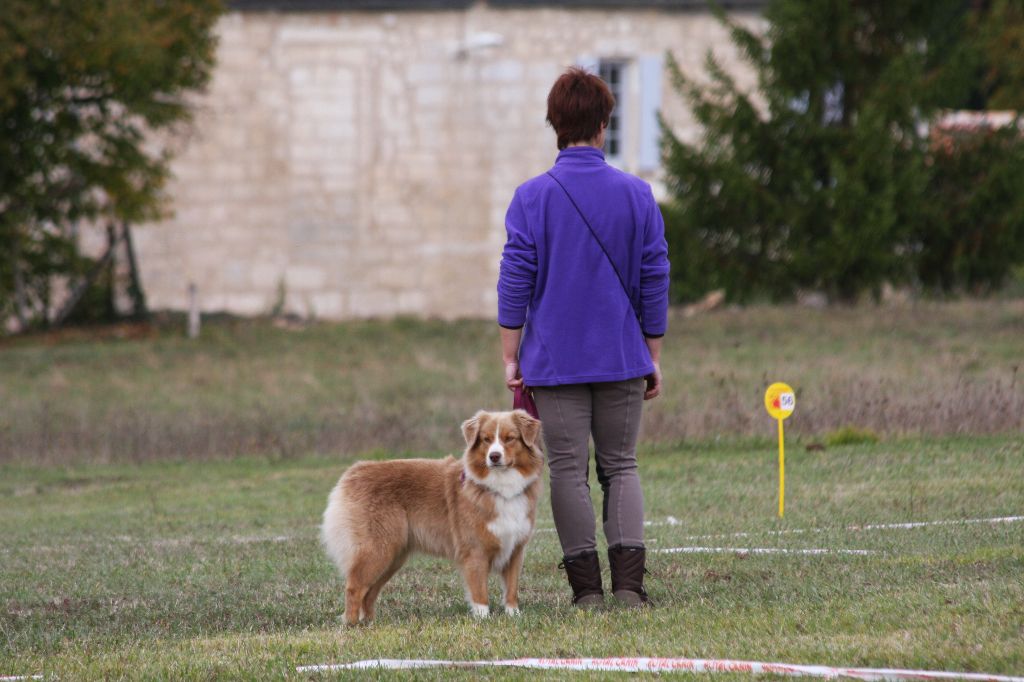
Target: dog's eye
x=486 y=438
x=510 y=437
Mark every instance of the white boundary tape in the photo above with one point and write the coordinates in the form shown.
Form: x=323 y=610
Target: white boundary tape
x=757 y=550
x=870 y=526
x=695 y=665
x=15 y=678
x=673 y=521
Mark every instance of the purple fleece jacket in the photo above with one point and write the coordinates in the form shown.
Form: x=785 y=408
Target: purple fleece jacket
x=580 y=324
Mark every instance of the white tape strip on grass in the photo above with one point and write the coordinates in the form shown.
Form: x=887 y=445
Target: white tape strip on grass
x=694 y=665
x=756 y=550
x=15 y=678
x=673 y=521
x=924 y=524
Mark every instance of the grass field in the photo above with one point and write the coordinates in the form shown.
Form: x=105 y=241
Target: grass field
x=185 y=570
x=249 y=387
x=159 y=497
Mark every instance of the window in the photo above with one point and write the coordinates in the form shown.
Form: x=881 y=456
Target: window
x=832 y=111
x=613 y=73
x=632 y=141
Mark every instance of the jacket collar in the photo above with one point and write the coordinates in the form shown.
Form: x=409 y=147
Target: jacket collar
x=580 y=155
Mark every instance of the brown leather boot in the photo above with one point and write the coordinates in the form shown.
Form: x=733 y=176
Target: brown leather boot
x=627 y=564
x=584 y=573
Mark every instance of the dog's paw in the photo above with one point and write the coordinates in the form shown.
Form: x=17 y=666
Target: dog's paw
x=480 y=610
x=511 y=610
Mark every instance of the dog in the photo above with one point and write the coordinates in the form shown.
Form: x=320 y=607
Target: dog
x=478 y=511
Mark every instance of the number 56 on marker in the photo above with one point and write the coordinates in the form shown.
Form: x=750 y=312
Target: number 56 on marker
x=780 y=401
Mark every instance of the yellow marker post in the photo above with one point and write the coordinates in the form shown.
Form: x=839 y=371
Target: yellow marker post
x=780 y=400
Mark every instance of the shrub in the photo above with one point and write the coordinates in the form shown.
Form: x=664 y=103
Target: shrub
x=973 y=235
x=850 y=435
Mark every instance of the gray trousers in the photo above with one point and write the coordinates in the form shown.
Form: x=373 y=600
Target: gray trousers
x=570 y=415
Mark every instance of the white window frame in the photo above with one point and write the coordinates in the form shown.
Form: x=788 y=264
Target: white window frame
x=638 y=101
x=616 y=73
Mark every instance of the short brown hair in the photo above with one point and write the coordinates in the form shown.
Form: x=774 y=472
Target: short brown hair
x=579 y=104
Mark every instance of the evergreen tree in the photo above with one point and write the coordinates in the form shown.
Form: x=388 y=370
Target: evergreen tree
x=818 y=179
x=994 y=53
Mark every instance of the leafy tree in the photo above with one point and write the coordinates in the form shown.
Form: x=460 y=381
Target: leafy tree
x=84 y=88
x=973 y=235
x=818 y=179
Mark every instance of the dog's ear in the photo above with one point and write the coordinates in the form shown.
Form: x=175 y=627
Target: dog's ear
x=471 y=427
x=528 y=426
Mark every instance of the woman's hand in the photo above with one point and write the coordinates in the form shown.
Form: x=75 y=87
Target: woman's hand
x=513 y=379
x=653 y=383
x=510 y=356
x=654 y=378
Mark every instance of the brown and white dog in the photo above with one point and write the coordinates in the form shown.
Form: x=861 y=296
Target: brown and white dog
x=478 y=511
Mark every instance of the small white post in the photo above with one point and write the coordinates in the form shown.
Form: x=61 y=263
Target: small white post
x=193 y=311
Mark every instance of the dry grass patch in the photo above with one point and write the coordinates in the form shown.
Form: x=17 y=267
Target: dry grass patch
x=250 y=387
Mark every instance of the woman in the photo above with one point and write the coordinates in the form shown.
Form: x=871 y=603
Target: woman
x=583 y=302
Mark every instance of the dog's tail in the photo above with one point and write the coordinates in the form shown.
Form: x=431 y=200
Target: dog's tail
x=335 y=532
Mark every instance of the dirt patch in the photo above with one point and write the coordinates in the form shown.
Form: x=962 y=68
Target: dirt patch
x=101 y=332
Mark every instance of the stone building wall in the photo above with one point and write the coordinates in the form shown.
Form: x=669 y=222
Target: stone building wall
x=359 y=164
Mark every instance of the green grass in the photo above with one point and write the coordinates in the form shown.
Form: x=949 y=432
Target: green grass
x=248 y=387
x=159 y=497
x=849 y=435
x=202 y=570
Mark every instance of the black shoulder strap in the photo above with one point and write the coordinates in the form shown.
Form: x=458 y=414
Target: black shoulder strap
x=590 y=227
